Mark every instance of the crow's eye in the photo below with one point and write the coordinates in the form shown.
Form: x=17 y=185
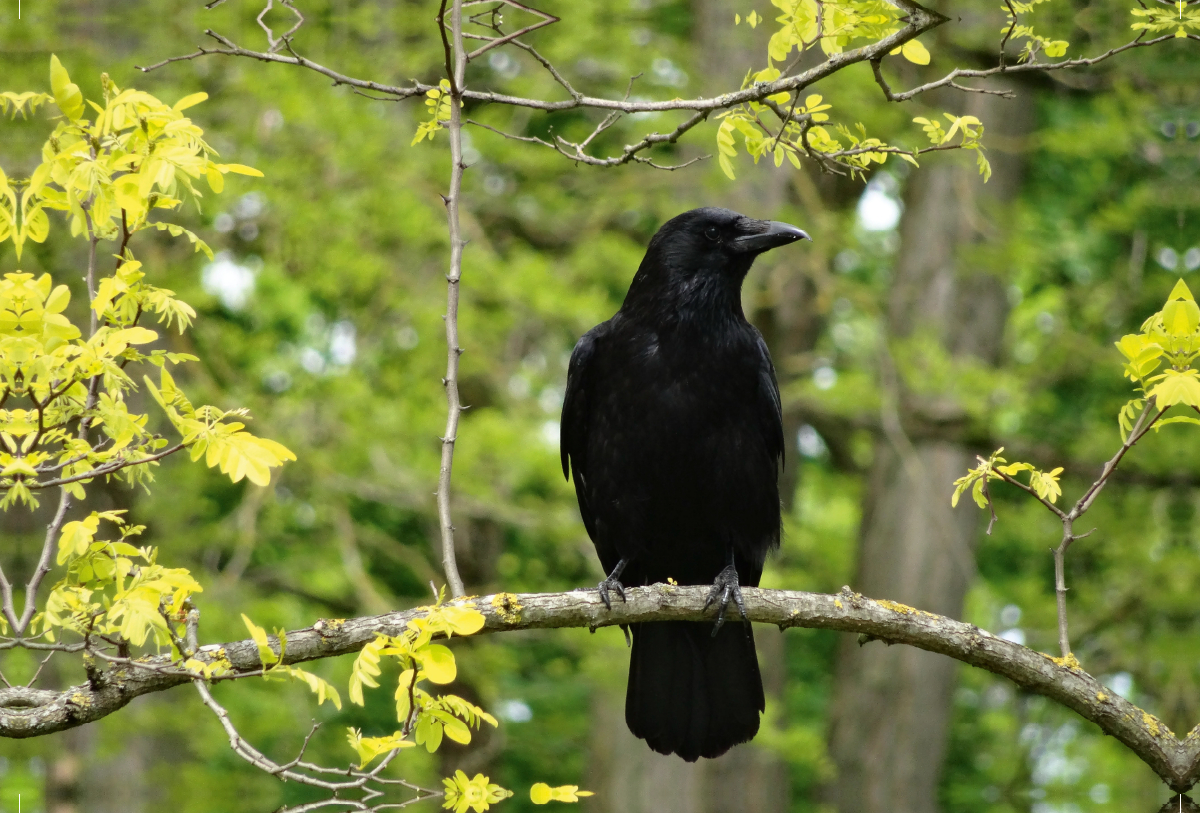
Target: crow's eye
x=712 y=233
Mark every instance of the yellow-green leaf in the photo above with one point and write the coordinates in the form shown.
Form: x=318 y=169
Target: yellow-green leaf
x=915 y=52
x=541 y=793
x=1177 y=388
x=437 y=662
x=66 y=93
x=189 y=101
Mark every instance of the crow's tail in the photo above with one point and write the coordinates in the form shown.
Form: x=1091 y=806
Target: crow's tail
x=692 y=694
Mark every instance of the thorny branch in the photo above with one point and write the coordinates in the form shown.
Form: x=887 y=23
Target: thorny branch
x=1068 y=518
x=455 y=54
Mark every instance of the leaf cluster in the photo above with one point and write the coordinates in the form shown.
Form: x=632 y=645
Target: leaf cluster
x=108 y=172
x=1043 y=483
x=422 y=716
x=1171 y=336
x=113 y=591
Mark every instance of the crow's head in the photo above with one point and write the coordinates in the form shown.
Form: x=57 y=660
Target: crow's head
x=705 y=250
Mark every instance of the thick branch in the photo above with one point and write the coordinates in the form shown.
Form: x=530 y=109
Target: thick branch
x=29 y=713
x=919 y=20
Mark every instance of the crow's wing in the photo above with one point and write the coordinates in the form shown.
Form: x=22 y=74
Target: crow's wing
x=573 y=429
x=770 y=408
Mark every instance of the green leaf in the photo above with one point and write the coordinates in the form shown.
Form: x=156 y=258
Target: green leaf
x=265 y=653
x=915 y=52
x=1177 y=387
x=189 y=101
x=366 y=669
x=437 y=662
x=1180 y=317
x=1056 y=48
x=66 y=93
x=1176 y=419
x=1181 y=291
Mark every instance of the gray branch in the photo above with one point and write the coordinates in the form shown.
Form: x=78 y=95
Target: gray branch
x=31 y=712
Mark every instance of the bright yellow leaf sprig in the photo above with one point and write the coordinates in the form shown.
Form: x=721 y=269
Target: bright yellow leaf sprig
x=477 y=793
x=109 y=167
x=108 y=173
x=1171 y=335
x=425 y=717
x=1180 y=17
x=112 y=588
x=1044 y=483
x=437 y=101
x=274 y=667
x=970 y=130
x=810 y=136
x=835 y=25
x=22 y=104
x=803 y=24
x=1034 y=43
x=541 y=793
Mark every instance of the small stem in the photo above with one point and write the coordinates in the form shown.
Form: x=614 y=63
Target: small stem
x=1140 y=428
x=1137 y=433
x=454 y=407
x=43 y=565
x=1060 y=586
x=6 y=594
x=93 y=240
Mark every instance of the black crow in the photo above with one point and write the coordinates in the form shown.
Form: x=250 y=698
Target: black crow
x=672 y=426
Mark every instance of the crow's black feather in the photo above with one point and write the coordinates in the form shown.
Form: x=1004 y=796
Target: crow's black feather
x=673 y=432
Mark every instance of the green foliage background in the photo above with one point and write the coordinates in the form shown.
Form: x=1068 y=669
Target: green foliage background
x=345 y=238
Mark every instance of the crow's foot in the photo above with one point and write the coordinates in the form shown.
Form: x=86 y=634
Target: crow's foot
x=724 y=588
x=613 y=584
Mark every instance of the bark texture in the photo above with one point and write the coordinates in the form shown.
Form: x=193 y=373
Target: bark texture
x=892 y=704
x=28 y=713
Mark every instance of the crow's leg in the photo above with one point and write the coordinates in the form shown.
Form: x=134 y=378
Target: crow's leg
x=613 y=583
x=724 y=588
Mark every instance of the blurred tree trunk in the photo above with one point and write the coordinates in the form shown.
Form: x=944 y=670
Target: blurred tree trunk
x=64 y=773
x=630 y=778
x=892 y=705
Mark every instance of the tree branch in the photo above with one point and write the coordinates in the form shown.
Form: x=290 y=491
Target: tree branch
x=43 y=566
x=31 y=713
x=1002 y=68
x=457 y=72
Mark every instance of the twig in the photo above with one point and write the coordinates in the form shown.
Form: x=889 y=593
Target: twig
x=920 y=20
x=547 y=19
x=123 y=463
x=1080 y=508
x=41 y=666
x=356 y=780
x=274 y=44
x=454 y=409
x=1024 y=67
x=43 y=565
x=1012 y=13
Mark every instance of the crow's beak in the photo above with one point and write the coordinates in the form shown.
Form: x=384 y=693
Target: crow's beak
x=776 y=234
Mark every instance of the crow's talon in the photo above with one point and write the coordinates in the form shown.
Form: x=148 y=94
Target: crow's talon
x=724 y=588
x=611 y=584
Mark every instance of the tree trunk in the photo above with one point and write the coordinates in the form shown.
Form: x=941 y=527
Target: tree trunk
x=892 y=705
x=628 y=777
